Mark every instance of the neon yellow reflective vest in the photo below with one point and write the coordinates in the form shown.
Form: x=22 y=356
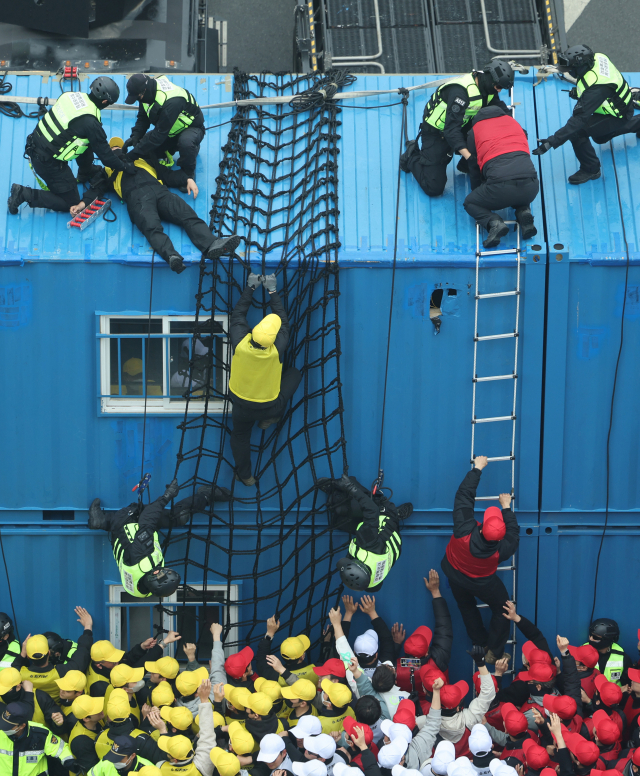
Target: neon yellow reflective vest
x=255 y=372
x=13 y=651
x=117 y=183
x=104 y=744
x=93 y=677
x=604 y=72
x=33 y=760
x=334 y=724
x=306 y=672
x=54 y=125
x=131 y=575
x=436 y=109
x=378 y=565
x=615 y=664
x=168 y=91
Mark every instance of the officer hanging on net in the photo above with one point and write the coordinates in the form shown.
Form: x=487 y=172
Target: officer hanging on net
x=72 y=129
x=446 y=121
x=604 y=109
x=135 y=543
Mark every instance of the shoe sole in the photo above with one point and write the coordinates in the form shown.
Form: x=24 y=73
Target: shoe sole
x=229 y=247
x=586 y=180
x=504 y=231
x=248 y=483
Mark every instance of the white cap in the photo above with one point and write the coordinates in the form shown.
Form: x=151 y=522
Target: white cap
x=400 y=770
x=444 y=754
x=367 y=644
x=270 y=747
x=500 y=768
x=479 y=740
x=342 y=769
x=307 y=726
x=322 y=745
x=392 y=753
x=394 y=729
x=310 y=768
x=461 y=767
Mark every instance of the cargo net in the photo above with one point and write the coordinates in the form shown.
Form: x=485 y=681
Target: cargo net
x=271 y=550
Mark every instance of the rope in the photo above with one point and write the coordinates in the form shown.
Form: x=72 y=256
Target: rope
x=146 y=377
x=615 y=382
x=12 y=109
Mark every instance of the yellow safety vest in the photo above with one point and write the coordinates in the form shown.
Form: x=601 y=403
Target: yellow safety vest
x=288 y=714
x=255 y=372
x=32 y=762
x=104 y=743
x=334 y=724
x=166 y=90
x=53 y=127
x=80 y=730
x=436 y=109
x=379 y=565
x=306 y=672
x=615 y=663
x=117 y=183
x=13 y=651
x=93 y=677
x=604 y=72
x=171 y=769
x=38 y=716
x=135 y=709
x=43 y=681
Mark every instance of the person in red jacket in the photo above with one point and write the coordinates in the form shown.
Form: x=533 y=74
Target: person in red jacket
x=501 y=173
x=471 y=560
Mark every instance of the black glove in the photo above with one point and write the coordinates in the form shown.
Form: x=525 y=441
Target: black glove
x=477 y=653
x=345 y=484
x=129 y=168
x=543 y=147
x=573 y=93
x=270 y=282
x=130 y=143
x=254 y=280
x=73 y=765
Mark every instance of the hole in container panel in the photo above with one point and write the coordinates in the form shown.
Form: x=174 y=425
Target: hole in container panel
x=529 y=531
x=548 y=529
x=435 y=302
x=558 y=246
x=58 y=514
x=452 y=292
x=536 y=247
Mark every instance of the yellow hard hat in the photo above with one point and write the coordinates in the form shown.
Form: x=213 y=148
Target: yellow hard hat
x=266 y=331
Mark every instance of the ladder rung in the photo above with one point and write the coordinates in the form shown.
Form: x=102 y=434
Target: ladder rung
x=486 y=498
x=503 y=458
x=496 y=336
x=498 y=253
x=494 y=377
x=505 y=568
x=493 y=420
x=501 y=293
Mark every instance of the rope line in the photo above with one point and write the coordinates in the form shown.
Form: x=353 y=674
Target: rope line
x=145 y=372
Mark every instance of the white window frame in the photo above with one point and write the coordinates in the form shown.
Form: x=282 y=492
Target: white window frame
x=134 y=405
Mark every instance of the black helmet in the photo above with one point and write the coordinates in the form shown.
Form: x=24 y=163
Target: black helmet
x=162 y=584
x=606 y=631
x=56 y=642
x=501 y=73
x=105 y=88
x=354 y=574
x=577 y=57
x=6 y=625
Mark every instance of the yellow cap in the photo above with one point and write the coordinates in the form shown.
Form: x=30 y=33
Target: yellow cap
x=104 y=650
x=149 y=770
x=179 y=747
x=116 y=142
x=178 y=716
x=238 y=697
x=123 y=674
x=303 y=689
x=118 y=707
x=295 y=646
x=9 y=678
x=266 y=331
x=272 y=689
x=132 y=366
x=86 y=706
x=37 y=647
x=260 y=703
x=339 y=695
x=167 y=667
x=188 y=681
x=227 y=764
x=72 y=681
x=162 y=695
x=241 y=740
x=218 y=720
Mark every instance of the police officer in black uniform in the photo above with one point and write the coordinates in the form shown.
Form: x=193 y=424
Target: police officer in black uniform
x=604 y=109
x=72 y=129
x=9 y=646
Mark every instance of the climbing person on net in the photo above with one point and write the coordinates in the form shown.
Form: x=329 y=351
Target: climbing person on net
x=377 y=544
x=258 y=387
x=134 y=540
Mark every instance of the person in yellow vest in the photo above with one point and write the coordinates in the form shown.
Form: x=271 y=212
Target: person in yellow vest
x=123 y=757
x=104 y=657
x=446 y=121
x=293 y=653
x=335 y=701
x=226 y=763
x=71 y=686
x=261 y=719
x=121 y=722
x=258 y=387
x=241 y=742
x=604 y=109
x=9 y=645
x=162 y=695
x=178 y=720
x=234 y=705
x=13 y=689
x=149 y=202
x=131 y=681
x=178 y=123
x=187 y=684
x=71 y=129
x=42 y=672
x=299 y=698
x=165 y=669
x=274 y=691
x=89 y=713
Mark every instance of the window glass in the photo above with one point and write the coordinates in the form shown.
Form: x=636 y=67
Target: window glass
x=203 y=377
x=130 y=356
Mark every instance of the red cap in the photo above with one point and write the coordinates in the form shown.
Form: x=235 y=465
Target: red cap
x=406 y=713
x=562 y=705
x=548 y=772
x=451 y=695
x=586 y=751
x=610 y=692
x=417 y=645
x=634 y=674
x=514 y=721
x=348 y=723
x=636 y=756
x=607 y=730
x=536 y=756
x=493 y=527
x=235 y=665
x=527 y=647
x=586 y=655
x=539 y=656
x=538 y=672
x=476 y=682
x=428 y=675
x=333 y=667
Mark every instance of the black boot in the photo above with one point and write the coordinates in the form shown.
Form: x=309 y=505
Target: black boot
x=16 y=198
x=223 y=245
x=405 y=510
x=170 y=492
x=218 y=493
x=497 y=229
x=248 y=482
x=97 y=520
x=412 y=148
x=582 y=177
x=177 y=264
x=524 y=217
x=266 y=423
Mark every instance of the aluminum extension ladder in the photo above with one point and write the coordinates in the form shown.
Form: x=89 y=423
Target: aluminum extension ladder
x=477 y=340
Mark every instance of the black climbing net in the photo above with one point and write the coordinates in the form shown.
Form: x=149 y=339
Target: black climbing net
x=271 y=550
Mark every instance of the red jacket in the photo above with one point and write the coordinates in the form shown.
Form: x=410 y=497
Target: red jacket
x=460 y=557
x=498 y=136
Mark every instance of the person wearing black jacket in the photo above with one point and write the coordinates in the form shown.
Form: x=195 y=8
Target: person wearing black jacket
x=258 y=387
x=472 y=557
x=385 y=648
x=502 y=174
x=14 y=689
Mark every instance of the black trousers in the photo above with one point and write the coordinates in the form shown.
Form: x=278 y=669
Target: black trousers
x=429 y=165
x=491 y=591
x=154 y=515
x=63 y=187
x=244 y=414
x=487 y=197
x=187 y=144
x=602 y=129
x=149 y=205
